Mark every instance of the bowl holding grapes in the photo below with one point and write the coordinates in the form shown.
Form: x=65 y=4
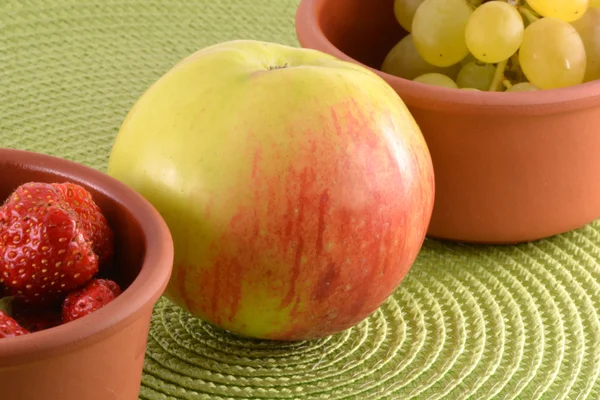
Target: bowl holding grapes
x=506 y=94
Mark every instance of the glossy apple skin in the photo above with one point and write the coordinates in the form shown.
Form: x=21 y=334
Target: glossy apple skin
x=298 y=188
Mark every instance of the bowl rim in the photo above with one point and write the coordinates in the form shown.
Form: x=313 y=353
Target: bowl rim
x=147 y=287
x=585 y=95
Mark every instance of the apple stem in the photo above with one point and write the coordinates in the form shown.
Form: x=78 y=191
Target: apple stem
x=278 y=67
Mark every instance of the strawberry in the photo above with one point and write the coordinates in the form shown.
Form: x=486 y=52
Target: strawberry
x=44 y=253
x=90 y=217
x=88 y=299
x=36 y=318
x=38 y=321
x=35 y=191
x=9 y=327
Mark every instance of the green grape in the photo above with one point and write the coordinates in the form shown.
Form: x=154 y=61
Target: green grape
x=467 y=59
x=436 y=79
x=494 y=32
x=438 y=31
x=552 y=54
x=405 y=11
x=476 y=75
x=522 y=87
x=588 y=28
x=404 y=61
x=566 y=10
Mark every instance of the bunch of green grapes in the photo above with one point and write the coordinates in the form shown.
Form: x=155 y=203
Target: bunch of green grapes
x=497 y=45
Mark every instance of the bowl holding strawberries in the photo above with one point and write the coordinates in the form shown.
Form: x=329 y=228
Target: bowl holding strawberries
x=83 y=260
x=54 y=240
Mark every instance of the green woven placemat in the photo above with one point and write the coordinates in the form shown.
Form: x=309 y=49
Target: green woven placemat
x=468 y=322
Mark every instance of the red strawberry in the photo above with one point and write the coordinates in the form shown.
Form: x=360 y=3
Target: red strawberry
x=9 y=327
x=88 y=299
x=30 y=194
x=36 y=318
x=44 y=254
x=39 y=321
x=91 y=218
x=35 y=191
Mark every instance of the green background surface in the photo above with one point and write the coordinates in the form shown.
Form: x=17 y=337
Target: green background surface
x=468 y=321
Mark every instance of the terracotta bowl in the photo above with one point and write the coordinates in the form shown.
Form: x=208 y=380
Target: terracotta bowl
x=510 y=167
x=100 y=356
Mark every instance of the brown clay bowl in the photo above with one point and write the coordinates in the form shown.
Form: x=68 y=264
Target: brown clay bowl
x=100 y=356
x=509 y=167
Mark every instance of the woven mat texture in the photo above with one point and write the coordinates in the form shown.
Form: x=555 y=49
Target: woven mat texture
x=467 y=322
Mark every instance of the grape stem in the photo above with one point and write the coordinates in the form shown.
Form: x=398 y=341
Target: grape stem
x=507 y=84
x=515 y=64
x=475 y=3
x=498 y=76
x=528 y=14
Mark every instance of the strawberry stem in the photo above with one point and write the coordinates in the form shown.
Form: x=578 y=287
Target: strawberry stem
x=6 y=305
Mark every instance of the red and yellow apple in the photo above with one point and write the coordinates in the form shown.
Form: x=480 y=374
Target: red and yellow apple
x=298 y=187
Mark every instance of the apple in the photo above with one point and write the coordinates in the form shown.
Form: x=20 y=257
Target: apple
x=298 y=188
